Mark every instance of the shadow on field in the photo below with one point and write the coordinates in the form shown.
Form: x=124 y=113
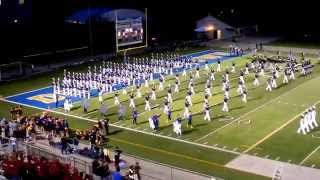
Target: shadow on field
x=112 y=114
x=255 y=98
x=178 y=110
x=177 y=99
x=115 y=132
x=235 y=108
x=202 y=124
x=93 y=110
x=143 y=122
x=279 y=86
x=75 y=108
x=107 y=98
x=188 y=131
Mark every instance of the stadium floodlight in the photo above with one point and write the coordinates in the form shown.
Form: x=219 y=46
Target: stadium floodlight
x=210 y=28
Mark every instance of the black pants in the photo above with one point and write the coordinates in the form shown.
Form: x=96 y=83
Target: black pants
x=63 y=148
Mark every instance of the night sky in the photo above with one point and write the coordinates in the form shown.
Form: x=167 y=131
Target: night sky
x=40 y=24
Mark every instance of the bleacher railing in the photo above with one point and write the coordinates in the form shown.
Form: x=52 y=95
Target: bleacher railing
x=171 y=172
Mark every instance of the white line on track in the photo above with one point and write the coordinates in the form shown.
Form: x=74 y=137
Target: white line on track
x=252 y=111
x=309 y=155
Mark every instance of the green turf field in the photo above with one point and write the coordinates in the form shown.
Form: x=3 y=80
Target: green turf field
x=295 y=44
x=208 y=146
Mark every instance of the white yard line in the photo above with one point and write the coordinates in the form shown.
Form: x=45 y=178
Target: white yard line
x=275 y=131
x=126 y=128
x=27 y=92
x=309 y=155
x=252 y=111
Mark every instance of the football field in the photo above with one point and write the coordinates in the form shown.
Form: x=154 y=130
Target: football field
x=265 y=126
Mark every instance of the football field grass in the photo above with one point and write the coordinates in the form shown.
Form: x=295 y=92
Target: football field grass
x=264 y=126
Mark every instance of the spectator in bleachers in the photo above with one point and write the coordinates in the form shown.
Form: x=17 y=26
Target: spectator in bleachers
x=19 y=166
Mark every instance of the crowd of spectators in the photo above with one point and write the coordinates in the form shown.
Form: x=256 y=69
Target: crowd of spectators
x=18 y=166
x=59 y=135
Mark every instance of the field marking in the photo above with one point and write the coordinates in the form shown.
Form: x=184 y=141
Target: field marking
x=315 y=136
x=246 y=146
x=252 y=111
x=27 y=92
x=176 y=154
x=275 y=131
x=309 y=155
x=126 y=128
x=227 y=118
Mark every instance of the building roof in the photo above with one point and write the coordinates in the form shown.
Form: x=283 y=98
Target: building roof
x=103 y=15
x=209 y=23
